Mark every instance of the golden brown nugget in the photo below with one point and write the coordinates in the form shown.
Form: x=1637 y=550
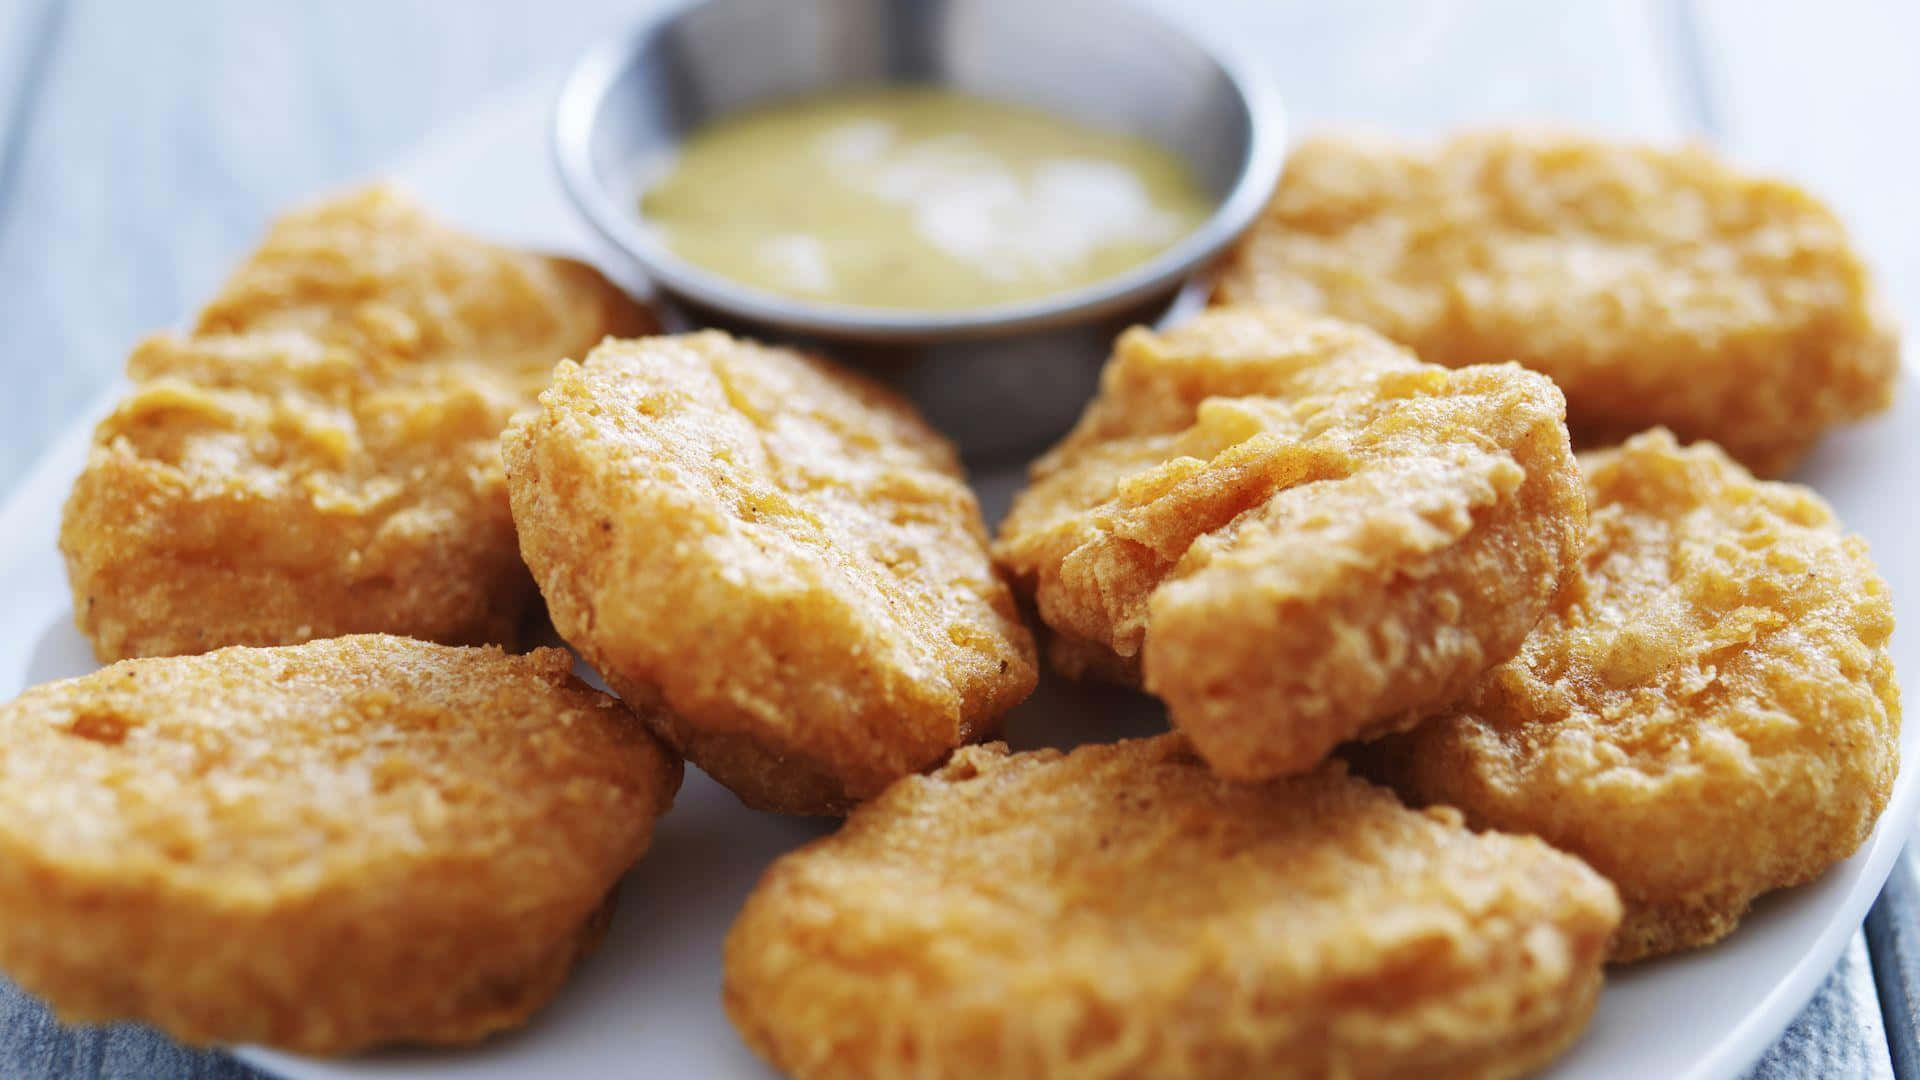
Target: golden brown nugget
x=1708 y=712
x=780 y=554
x=1294 y=532
x=320 y=455
x=1119 y=911
x=1655 y=286
x=322 y=847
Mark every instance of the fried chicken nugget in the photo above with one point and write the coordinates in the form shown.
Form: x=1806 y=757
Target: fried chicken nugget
x=320 y=455
x=1657 y=287
x=1294 y=532
x=322 y=847
x=1119 y=911
x=780 y=554
x=1708 y=712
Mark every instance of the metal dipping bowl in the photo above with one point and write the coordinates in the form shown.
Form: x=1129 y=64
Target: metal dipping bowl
x=999 y=380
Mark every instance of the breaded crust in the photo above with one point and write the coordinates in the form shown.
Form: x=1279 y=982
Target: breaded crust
x=1119 y=911
x=321 y=847
x=1708 y=713
x=780 y=554
x=1294 y=532
x=1656 y=287
x=320 y=455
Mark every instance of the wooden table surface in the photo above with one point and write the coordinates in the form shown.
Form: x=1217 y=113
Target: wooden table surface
x=143 y=145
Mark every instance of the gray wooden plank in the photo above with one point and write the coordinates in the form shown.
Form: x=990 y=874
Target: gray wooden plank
x=31 y=1044
x=29 y=34
x=1693 y=82
x=26 y=29
x=1893 y=935
x=34 y=1047
x=1425 y=69
x=167 y=133
x=1823 y=97
x=1840 y=1034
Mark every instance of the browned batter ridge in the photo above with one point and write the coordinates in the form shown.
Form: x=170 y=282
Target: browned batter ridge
x=1657 y=287
x=781 y=555
x=320 y=847
x=1120 y=911
x=1294 y=532
x=1707 y=713
x=319 y=455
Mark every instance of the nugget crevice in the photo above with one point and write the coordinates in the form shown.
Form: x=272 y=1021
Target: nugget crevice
x=1708 y=712
x=1294 y=532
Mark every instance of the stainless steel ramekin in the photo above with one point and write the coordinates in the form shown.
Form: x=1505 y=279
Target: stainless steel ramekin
x=1001 y=379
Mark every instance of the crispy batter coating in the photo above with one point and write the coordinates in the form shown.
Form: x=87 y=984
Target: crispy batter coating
x=780 y=554
x=321 y=454
x=322 y=847
x=1709 y=711
x=1296 y=532
x=1119 y=911
x=1655 y=286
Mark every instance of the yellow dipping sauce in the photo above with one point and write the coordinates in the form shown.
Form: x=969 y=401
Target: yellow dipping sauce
x=904 y=197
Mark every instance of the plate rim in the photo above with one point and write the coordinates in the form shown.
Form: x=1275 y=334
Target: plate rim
x=1742 y=1045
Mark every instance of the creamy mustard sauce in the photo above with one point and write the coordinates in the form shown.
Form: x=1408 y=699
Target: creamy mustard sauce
x=901 y=197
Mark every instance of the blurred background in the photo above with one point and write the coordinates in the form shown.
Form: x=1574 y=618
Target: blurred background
x=144 y=145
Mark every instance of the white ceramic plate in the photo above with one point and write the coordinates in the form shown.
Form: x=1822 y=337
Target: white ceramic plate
x=648 y=1002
